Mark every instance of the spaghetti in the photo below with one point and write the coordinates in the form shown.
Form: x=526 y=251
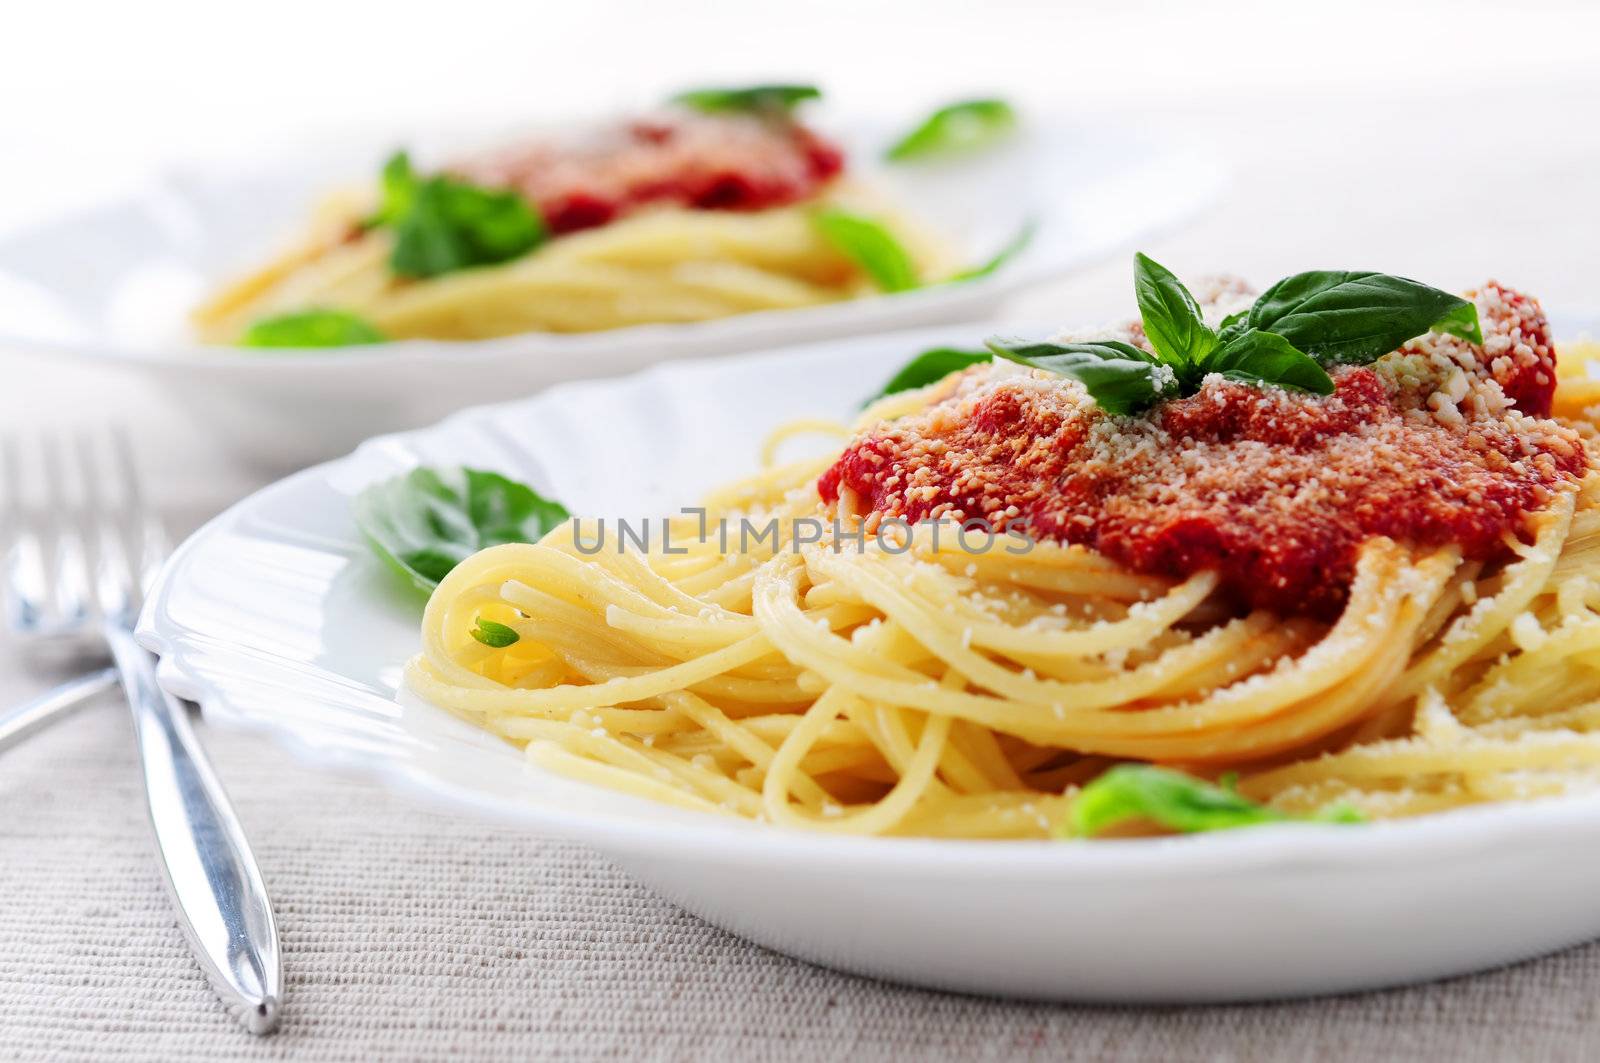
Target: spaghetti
x=675 y=218
x=1435 y=655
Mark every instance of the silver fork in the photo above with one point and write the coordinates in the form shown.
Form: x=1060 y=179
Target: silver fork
x=75 y=577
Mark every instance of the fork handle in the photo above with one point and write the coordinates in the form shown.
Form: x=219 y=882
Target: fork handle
x=211 y=876
x=53 y=705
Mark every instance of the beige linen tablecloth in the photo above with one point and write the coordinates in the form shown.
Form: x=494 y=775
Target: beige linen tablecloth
x=411 y=933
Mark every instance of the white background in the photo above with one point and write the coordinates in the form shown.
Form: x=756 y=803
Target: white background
x=90 y=92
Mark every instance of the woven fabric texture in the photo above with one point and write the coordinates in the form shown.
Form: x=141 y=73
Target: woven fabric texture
x=413 y=934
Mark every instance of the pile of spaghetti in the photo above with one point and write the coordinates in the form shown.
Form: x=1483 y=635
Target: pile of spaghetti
x=678 y=216
x=1386 y=598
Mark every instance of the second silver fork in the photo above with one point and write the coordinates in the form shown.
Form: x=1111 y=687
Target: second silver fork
x=76 y=574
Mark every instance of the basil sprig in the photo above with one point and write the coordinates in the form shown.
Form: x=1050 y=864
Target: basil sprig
x=930 y=367
x=758 y=99
x=1354 y=317
x=443 y=224
x=1296 y=327
x=1125 y=379
x=1176 y=802
x=425 y=522
x=313 y=328
x=870 y=245
x=956 y=129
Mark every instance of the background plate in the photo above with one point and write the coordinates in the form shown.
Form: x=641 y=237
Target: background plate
x=114 y=284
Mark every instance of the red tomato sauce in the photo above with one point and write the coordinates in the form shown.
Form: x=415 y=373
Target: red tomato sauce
x=1275 y=490
x=723 y=162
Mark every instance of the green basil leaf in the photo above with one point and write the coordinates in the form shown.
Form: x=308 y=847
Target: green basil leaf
x=766 y=99
x=1359 y=316
x=452 y=225
x=871 y=246
x=930 y=367
x=956 y=128
x=1035 y=352
x=494 y=635
x=1461 y=321
x=1233 y=326
x=1172 y=318
x=397 y=190
x=443 y=224
x=429 y=520
x=1014 y=247
x=1174 y=801
x=1119 y=376
x=313 y=328
x=1266 y=358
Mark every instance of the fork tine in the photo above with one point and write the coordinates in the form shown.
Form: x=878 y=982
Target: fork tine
x=26 y=591
x=72 y=590
x=152 y=534
x=115 y=537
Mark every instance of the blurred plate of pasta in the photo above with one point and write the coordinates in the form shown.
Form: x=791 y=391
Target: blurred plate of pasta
x=305 y=301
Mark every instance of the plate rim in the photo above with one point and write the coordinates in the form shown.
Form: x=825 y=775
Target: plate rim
x=1456 y=834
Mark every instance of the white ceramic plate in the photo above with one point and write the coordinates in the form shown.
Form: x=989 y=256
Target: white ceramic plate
x=275 y=617
x=115 y=284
